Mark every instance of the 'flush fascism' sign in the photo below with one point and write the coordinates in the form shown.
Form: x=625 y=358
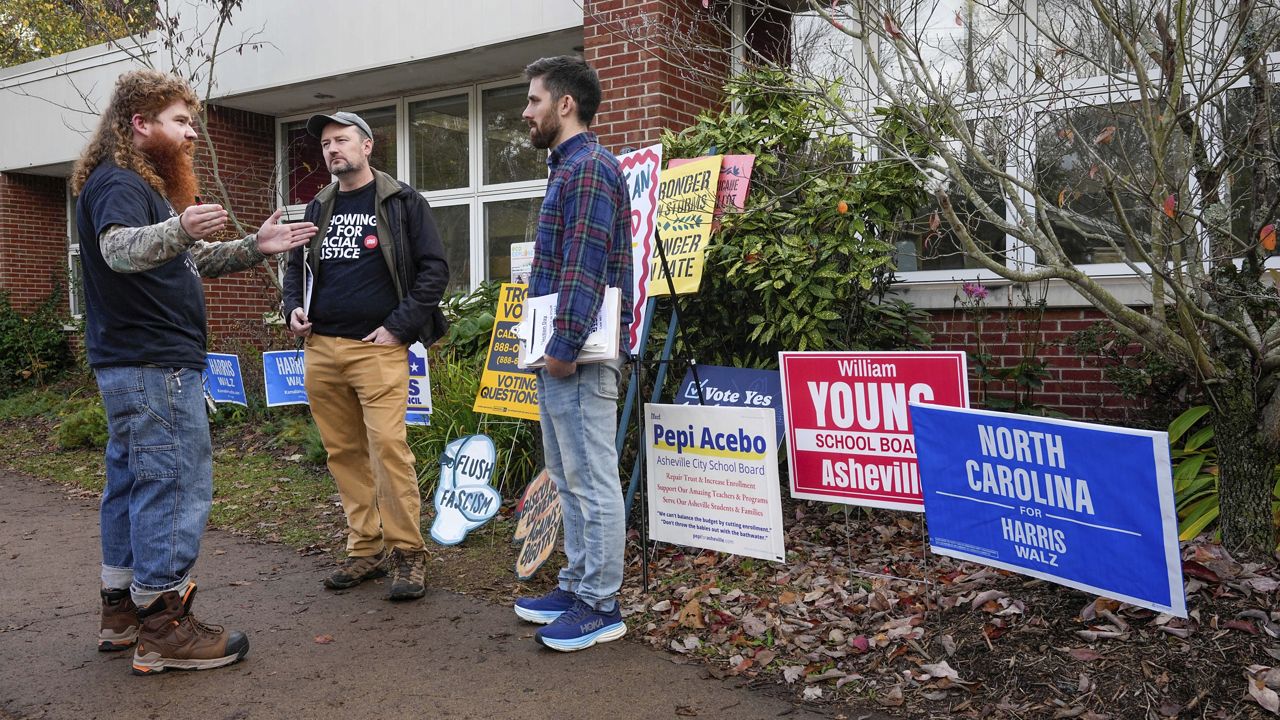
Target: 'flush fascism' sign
x=849 y=435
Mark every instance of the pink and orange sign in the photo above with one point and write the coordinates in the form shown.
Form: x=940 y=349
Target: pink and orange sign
x=735 y=180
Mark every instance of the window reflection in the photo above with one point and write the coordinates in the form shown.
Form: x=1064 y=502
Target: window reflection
x=439 y=146
x=509 y=156
x=507 y=222
x=454 y=224
x=1082 y=156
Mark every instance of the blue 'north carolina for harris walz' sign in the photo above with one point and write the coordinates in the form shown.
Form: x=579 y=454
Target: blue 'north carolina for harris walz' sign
x=1082 y=505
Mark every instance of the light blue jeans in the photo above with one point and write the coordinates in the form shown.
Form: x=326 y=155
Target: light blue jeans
x=159 y=488
x=579 y=422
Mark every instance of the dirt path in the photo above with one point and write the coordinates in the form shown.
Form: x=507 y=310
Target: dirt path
x=448 y=656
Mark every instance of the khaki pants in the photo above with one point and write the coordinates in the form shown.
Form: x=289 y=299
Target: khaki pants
x=358 y=393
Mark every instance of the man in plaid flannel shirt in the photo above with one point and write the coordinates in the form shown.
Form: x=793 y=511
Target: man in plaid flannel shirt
x=583 y=246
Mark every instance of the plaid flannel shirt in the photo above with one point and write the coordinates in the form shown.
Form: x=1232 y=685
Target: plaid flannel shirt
x=584 y=240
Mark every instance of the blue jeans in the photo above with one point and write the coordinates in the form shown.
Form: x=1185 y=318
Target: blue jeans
x=159 y=464
x=579 y=422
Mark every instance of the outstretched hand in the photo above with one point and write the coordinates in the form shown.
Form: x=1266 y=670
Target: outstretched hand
x=275 y=237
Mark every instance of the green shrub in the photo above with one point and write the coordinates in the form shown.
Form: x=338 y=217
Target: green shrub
x=805 y=264
x=33 y=348
x=1195 y=473
x=84 y=424
x=1164 y=389
x=471 y=319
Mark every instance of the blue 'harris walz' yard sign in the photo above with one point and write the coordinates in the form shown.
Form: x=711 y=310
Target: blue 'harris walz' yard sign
x=1086 y=506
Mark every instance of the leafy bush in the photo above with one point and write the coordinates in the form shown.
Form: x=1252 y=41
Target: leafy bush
x=33 y=348
x=84 y=424
x=1165 y=390
x=471 y=317
x=1195 y=473
x=805 y=263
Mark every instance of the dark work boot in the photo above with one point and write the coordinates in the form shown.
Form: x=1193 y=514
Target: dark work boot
x=172 y=639
x=119 y=620
x=355 y=570
x=408 y=574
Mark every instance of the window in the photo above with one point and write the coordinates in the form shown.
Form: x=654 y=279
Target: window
x=382 y=121
x=304 y=172
x=507 y=222
x=454 y=224
x=440 y=143
x=509 y=156
x=1085 y=156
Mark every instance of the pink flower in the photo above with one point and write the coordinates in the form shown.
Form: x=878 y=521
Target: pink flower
x=976 y=291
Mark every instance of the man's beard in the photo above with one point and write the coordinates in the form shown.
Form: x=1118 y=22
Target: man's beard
x=544 y=139
x=342 y=166
x=174 y=163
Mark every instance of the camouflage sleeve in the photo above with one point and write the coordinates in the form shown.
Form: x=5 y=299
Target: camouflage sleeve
x=135 y=249
x=220 y=258
x=131 y=250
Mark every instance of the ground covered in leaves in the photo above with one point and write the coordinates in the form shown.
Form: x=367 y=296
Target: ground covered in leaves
x=860 y=615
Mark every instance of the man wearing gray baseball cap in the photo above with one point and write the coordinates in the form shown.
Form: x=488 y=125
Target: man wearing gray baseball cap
x=317 y=123
x=367 y=287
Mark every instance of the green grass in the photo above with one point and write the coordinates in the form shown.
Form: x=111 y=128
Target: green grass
x=272 y=499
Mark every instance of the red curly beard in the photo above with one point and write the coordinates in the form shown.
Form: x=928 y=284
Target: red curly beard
x=174 y=162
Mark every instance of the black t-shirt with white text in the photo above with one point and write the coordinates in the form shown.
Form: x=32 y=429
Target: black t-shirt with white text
x=354 y=292
x=156 y=316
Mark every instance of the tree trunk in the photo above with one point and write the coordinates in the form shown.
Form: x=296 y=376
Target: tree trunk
x=1247 y=462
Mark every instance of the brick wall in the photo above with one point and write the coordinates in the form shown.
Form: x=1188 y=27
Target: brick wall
x=1076 y=385
x=652 y=69
x=33 y=238
x=245 y=147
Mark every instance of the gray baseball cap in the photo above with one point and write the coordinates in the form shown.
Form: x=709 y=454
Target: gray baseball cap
x=317 y=123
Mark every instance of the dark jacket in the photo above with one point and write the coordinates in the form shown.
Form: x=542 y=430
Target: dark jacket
x=411 y=246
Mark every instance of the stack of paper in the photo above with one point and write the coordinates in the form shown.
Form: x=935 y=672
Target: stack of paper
x=539 y=324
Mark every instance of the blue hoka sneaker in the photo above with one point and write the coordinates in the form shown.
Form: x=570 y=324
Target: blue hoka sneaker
x=547 y=608
x=581 y=626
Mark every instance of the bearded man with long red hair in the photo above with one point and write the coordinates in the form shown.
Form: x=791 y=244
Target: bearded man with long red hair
x=143 y=246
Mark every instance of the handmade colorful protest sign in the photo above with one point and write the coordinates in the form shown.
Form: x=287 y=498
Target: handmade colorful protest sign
x=713 y=479
x=848 y=430
x=641 y=169
x=505 y=389
x=464 y=500
x=735 y=180
x=686 y=204
x=1083 y=505
x=223 y=381
x=734 y=387
x=282 y=375
x=539 y=525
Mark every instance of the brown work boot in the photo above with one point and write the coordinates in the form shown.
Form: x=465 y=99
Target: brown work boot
x=172 y=639
x=355 y=570
x=408 y=574
x=119 y=621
